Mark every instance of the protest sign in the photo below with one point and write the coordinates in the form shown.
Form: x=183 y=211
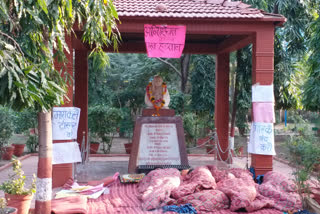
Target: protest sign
x=164 y=40
x=261 y=139
x=65 y=121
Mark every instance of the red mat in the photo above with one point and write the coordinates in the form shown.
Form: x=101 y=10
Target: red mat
x=123 y=199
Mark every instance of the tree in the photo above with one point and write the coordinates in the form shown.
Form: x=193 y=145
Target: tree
x=203 y=92
x=32 y=36
x=183 y=70
x=203 y=84
x=291 y=44
x=241 y=97
x=311 y=88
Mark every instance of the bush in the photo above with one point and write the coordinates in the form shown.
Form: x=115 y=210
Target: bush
x=177 y=102
x=304 y=155
x=103 y=122
x=126 y=123
x=189 y=121
x=304 y=150
x=6 y=126
x=16 y=183
x=32 y=143
x=25 y=120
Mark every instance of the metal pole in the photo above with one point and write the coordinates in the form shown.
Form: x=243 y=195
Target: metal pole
x=285 y=118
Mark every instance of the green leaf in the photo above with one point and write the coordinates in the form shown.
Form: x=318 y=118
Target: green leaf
x=9 y=80
x=43 y=5
x=69 y=8
x=27 y=69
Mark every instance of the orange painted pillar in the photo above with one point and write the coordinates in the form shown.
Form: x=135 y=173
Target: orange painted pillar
x=222 y=105
x=81 y=91
x=61 y=172
x=262 y=73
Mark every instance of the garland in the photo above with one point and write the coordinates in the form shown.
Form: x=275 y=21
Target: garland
x=153 y=100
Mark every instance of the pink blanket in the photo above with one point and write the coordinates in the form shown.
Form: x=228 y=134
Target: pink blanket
x=155 y=188
x=199 y=179
x=281 y=191
x=234 y=190
x=69 y=205
x=123 y=199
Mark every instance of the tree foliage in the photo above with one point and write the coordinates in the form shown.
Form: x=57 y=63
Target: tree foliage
x=203 y=83
x=243 y=87
x=291 y=44
x=311 y=92
x=6 y=127
x=32 y=35
x=122 y=83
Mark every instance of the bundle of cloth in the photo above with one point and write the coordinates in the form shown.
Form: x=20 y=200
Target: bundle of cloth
x=209 y=189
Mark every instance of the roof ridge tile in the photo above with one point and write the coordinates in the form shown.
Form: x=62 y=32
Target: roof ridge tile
x=187 y=8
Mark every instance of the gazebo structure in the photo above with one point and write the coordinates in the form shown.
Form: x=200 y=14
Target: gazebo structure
x=216 y=27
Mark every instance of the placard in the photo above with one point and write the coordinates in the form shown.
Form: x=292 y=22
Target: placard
x=65 y=153
x=262 y=93
x=159 y=145
x=261 y=139
x=164 y=40
x=65 y=121
x=263 y=112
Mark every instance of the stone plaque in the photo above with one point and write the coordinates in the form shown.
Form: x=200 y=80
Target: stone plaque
x=158 y=141
x=159 y=144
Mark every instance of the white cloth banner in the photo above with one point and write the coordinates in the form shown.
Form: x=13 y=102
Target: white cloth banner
x=231 y=143
x=65 y=153
x=262 y=93
x=65 y=121
x=261 y=139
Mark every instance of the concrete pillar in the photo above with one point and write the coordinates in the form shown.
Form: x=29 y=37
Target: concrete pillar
x=81 y=91
x=222 y=105
x=262 y=73
x=61 y=172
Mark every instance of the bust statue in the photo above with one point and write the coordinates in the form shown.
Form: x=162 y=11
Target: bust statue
x=157 y=96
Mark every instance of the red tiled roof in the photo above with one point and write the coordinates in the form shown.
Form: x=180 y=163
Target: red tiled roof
x=187 y=9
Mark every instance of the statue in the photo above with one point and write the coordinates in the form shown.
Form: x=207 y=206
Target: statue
x=157 y=96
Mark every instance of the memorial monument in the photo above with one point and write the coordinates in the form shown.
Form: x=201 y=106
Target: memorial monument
x=158 y=138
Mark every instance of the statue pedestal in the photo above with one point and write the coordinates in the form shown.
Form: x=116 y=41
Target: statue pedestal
x=148 y=112
x=158 y=141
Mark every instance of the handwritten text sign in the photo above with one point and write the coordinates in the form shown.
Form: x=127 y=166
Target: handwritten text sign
x=65 y=153
x=65 y=121
x=159 y=144
x=263 y=112
x=164 y=40
x=261 y=139
x=262 y=93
